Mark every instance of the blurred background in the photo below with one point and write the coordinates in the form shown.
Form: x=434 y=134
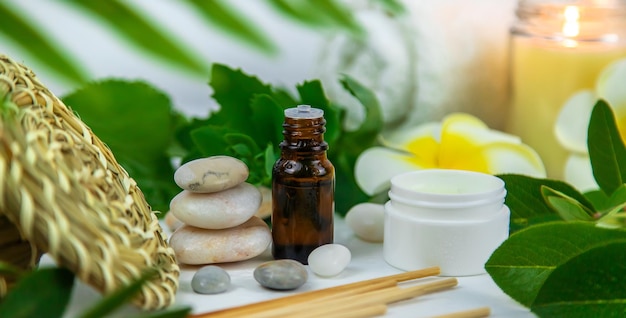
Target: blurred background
x=423 y=58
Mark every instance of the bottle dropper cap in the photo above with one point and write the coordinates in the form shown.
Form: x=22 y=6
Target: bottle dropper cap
x=304 y=112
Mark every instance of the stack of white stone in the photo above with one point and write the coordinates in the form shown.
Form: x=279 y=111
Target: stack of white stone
x=217 y=207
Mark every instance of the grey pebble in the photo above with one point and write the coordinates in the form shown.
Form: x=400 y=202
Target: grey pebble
x=284 y=274
x=210 y=280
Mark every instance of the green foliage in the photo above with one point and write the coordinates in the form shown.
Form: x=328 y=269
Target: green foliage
x=350 y=145
x=219 y=14
x=116 y=299
x=27 y=36
x=135 y=27
x=606 y=149
x=565 y=206
x=558 y=269
x=44 y=293
x=8 y=270
x=137 y=122
x=574 y=267
x=248 y=126
x=144 y=133
x=139 y=31
x=527 y=203
x=318 y=14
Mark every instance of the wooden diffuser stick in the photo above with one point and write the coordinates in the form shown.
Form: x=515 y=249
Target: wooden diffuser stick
x=346 y=289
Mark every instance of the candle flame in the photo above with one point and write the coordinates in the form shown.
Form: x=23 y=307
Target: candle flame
x=571 y=26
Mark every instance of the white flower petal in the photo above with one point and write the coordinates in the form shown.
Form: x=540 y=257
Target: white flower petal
x=512 y=158
x=376 y=166
x=401 y=138
x=610 y=85
x=472 y=128
x=579 y=174
x=573 y=120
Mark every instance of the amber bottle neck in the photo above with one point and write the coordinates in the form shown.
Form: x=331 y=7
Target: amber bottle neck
x=304 y=135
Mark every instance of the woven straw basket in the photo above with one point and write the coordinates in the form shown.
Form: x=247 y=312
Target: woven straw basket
x=63 y=193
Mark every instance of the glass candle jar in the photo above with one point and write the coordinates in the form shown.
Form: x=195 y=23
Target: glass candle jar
x=558 y=48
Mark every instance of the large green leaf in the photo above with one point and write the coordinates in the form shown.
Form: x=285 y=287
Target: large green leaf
x=29 y=37
x=525 y=262
x=142 y=33
x=526 y=202
x=589 y=284
x=225 y=18
x=136 y=121
x=42 y=293
x=606 y=149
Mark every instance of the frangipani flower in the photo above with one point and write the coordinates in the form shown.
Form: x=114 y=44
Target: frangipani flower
x=460 y=141
x=573 y=121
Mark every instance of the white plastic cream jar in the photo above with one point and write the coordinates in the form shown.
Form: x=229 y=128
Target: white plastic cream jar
x=453 y=219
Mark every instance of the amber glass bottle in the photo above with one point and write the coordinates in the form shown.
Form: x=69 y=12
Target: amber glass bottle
x=303 y=186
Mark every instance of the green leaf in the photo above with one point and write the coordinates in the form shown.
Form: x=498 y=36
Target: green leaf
x=267 y=119
x=319 y=14
x=372 y=125
x=312 y=93
x=524 y=262
x=568 y=208
x=351 y=144
x=8 y=270
x=269 y=159
x=42 y=293
x=526 y=202
x=24 y=34
x=136 y=121
x=340 y=14
x=234 y=139
x=168 y=313
x=233 y=90
x=209 y=140
x=232 y=22
x=143 y=34
x=606 y=149
x=590 y=284
x=601 y=202
x=392 y=7
x=119 y=297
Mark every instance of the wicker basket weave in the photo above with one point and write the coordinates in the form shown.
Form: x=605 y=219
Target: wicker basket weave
x=63 y=191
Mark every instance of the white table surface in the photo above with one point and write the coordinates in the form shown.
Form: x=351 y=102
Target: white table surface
x=367 y=262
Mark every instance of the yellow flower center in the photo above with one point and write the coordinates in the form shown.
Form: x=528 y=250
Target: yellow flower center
x=454 y=152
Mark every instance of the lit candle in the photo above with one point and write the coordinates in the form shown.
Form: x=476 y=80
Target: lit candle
x=559 y=48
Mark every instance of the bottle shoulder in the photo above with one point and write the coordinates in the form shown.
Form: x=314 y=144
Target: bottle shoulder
x=304 y=168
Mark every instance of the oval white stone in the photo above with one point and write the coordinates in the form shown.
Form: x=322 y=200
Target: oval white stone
x=367 y=220
x=196 y=246
x=212 y=174
x=329 y=260
x=217 y=210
